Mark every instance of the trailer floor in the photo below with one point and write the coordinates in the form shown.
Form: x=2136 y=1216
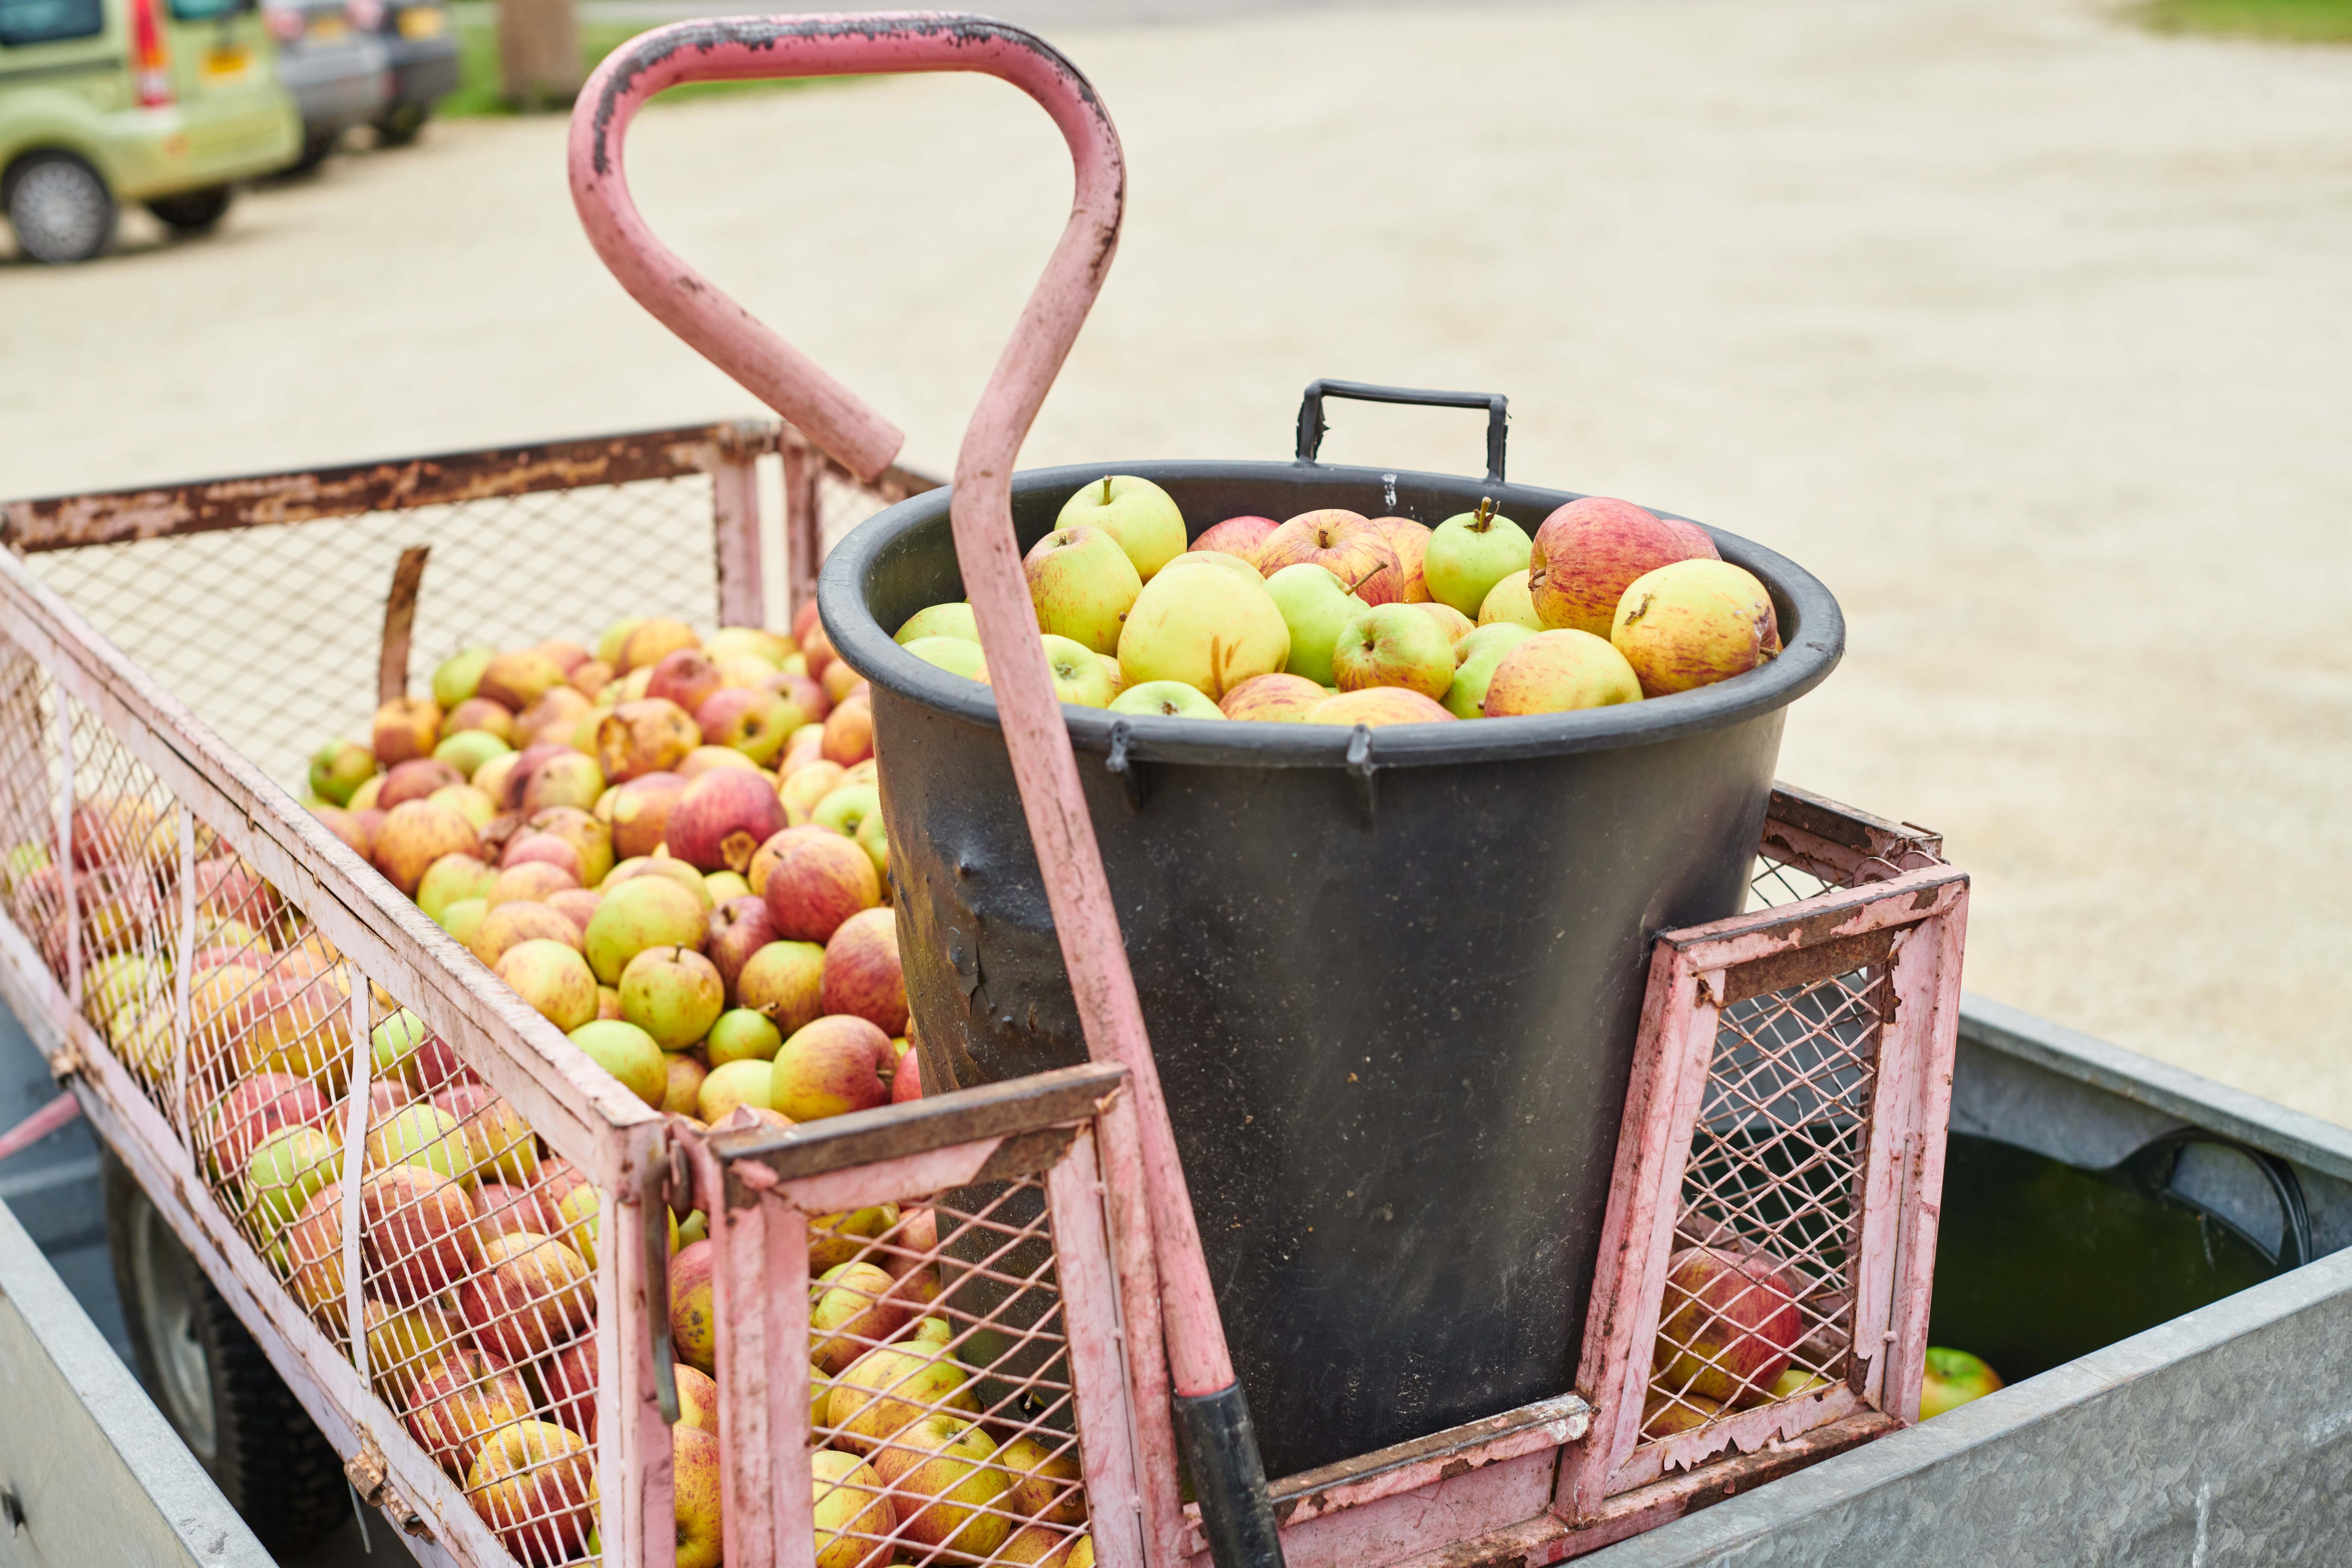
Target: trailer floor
x=2029 y=330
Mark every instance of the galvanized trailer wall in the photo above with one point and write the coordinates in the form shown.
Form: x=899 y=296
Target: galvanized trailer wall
x=2218 y=1439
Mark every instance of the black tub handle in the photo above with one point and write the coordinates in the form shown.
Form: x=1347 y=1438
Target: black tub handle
x=2153 y=1166
x=1311 y=426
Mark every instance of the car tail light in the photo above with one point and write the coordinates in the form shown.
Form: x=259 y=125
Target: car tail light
x=367 y=15
x=285 y=22
x=150 y=62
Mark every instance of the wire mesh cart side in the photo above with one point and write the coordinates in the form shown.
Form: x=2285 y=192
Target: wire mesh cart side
x=982 y=1262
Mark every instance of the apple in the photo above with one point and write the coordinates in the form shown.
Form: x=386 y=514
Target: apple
x=1045 y=1485
x=1451 y=621
x=693 y=1325
x=404 y=729
x=629 y=1054
x=784 y=981
x=498 y=1144
x=1080 y=675
x=642 y=912
x=873 y=837
x=1470 y=553
x=1082 y=582
x=749 y=1082
x=570 y=778
x=479 y=715
x=947 y=1493
x=682 y=1086
x=403 y=1345
x=314 y=1258
x=799 y=794
x=849 y=732
x=552 y=977
x=468 y=802
x=1953 y=1378
x=416 y=779
x=1588 y=552
x=460 y=1402
x=418 y=1227
x=848 y=805
x=1410 y=540
x=253 y=1109
x=739 y=928
x=425 y=1136
x=816 y=879
x=1474 y=658
x=1694 y=623
x=907 y=1079
x=285 y=1172
x=577 y=905
x=534 y=1484
x=752 y=724
x=569 y=1378
x=292 y=1018
x=1347 y=542
x=741 y=1034
x=1234 y=566
x=346 y=826
x=530 y=883
x=1277 y=697
x=338 y=769
x=838 y=1238
x=1314 y=604
x=851 y=1512
x=505 y=1209
x=1663 y=1417
x=1212 y=630
x=651 y=641
x=1166 y=699
x=888 y=1388
x=641 y=808
x=496 y=772
x=756 y=641
x=851 y=1311
x=709 y=759
x=591 y=841
x=1142 y=518
x=591 y=678
x=460 y=676
x=1730 y=1322
x=1394 y=646
x=468 y=751
x=646 y=736
x=722 y=818
x=517 y=777
x=405 y=1048
x=862 y=976
x=1559 y=672
x=666 y=868
x=954 y=655
x=1238 y=536
x=1375 y=706
x=530 y=1294
x=673 y=993
x=508 y=926
x=610 y=642
x=948 y=620
x=686 y=676
x=1042 y=1546
x=517 y=678
x=556 y=715
x=413 y=835
x=830 y=1067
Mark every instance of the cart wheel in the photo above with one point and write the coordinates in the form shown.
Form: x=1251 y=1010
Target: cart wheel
x=214 y=1384
x=192 y=212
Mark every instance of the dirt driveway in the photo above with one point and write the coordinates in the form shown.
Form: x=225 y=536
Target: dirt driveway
x=2031 y=332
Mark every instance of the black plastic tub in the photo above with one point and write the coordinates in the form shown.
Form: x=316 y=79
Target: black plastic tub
x=1393 y=976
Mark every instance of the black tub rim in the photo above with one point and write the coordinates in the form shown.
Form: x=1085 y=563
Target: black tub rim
x=1812 y=630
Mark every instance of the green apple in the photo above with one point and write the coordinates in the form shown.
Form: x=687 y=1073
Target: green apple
x=616 y=637
x=1510 y=600
x=629 y=1054
x=1142 y=517
x=468 y=750
x=1471 y=552
x=1167 y=699
x=743 y=1034
x=1314 y=604
x=422 y=1134
x=1474 y=658
x=1080 y=675
x=1083 y=584
x=464 y=918
x=452 y=879
x=1210 y=629
x=953 y=655
x=395 y=1042
x=1953 y=1378
x=285 y=1172
x=846 y=807
x=460 y=675
x=338 y=768
x=1393 y=644
x=948 y=620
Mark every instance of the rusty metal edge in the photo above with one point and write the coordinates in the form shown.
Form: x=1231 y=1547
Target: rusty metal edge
x=252 y=501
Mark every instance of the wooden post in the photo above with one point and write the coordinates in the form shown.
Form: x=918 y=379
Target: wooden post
x=538 y=53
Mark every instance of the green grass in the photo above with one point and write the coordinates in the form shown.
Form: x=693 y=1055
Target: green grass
x=477 y=69
x=2295 y=21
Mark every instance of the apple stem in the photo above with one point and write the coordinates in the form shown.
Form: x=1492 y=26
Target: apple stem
x=1485 y=519
x=1106 y=489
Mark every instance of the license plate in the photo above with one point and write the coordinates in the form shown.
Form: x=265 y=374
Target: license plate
x=326 y=25
x=228 y=63
x=421 y=22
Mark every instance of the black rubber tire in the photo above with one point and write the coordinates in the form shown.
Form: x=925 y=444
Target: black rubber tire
x=258 y=1446
x=192 y=212
x=316 y=147
x=400 y=125
x=59 y=207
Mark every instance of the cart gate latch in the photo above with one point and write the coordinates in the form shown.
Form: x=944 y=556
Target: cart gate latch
x=373 y=1484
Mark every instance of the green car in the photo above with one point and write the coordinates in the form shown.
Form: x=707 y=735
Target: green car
x=167 y=102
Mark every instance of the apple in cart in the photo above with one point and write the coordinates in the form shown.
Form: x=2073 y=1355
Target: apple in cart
x=1475 y=657
x=468 y=751
x=641 y=912
x=505 y=1209
x=591 y=841
x=534 y=1484
x=1209 y=629
x=451 y=878
x=737 y=1083
x=954 y=655
x=629 y=1054
x=686 y=676
x=683 y=1093
x=722 y=818
x=1664 y=1417
x=704 y=758
x=1278 y=698
x=742 y=1035
x=406 y=728
x=347 y=826
x=1045 y=1480
x=530 y=882
x=784 y=980
x=1347 y=542
x=405 y=1344
x=425 y=1135
x=851 y=1512
x=652 y=640
x=1693 y=624
x=1166 y=700
x=338 y=768
x=752 y=723
x=907 y=1079
x=1315 y=605
x=404 y=1046
x=284 y=1173
x=416 y=779
x=519 y=678
x=1144 y=519
x=862 y=973
x=1509 y=600
x=849 y=731
x=1237 y=536
x=692 y=1320
x=571 y=778
x=695 y=884
x=674 y=994
x=815 y=879
x=837 y=1239
x=943 y=1488
x=799 y=794
x=480 y=715
x=414 y=835
x=890 y=1388
x=460 y=676
x=556 y=715
x=852 y=1308
x=948 y=620
x=1082 y=585
x=1730 y=1322
x=417 y=1225
x=314 y=1258
x=1080 y=675
x=1042 y=1546
x=499 y=1142
x=1953 y=1378
x=1410 y=540
x=1375 y=706
x=252 y=1109
x=508 y=926
x=873 y=837
x=567 y=1377
x=738 y=929
x=830 y=1067
x=530 y=1295
x=457 y=1405
x=695 y=1472
x=646 y=736
x=641 y=808
x=1587 y=552
x=1394 y=646
x=550 y=974
x=1559 y=672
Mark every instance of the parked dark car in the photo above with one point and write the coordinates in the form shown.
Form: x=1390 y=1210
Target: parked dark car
x=340 y=73
x=423 y=42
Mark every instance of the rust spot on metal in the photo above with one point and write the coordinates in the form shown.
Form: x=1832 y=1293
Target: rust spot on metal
x=1453 y=1467
x=1805 y=964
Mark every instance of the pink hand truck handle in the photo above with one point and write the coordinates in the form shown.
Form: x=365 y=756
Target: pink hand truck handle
x=981 y=512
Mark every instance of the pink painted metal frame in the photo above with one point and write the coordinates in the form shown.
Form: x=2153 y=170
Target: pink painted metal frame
x=981 y=515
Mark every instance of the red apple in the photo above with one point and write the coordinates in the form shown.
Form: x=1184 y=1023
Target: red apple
x=693 y=1322
x=1346 y=544
x=724 y=818
x=1588 y=552
x=1410 y=540
x=1729 y=1321
x=528 y=881
x=906 y=1077
x=530 y=1295
x=505 y=1209
x=752 y=723
x=806 y=695
x=414 y=780
x=569 y=1378
x=417 y=1227
x=849 y=732
x=406 y=728
x=684 y=675
x=251 y=1111
x=862 y=975
x=1239 y=536
x=816 y=879
x=457 y=1405
x=829 y=1068
x=738 y=929
x=1277 y=697
x=577 y=905
x=641 y=809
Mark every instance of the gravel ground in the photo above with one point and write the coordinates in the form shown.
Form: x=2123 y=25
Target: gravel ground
x=2031 y=332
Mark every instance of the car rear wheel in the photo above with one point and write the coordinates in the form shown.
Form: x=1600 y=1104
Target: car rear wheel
x=399 y=125
x=316 y=147
x=192 y=212
x=59 y=207
x=213 y=1383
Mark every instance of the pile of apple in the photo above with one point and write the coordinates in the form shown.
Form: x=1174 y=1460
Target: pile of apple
x=1336 y=618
